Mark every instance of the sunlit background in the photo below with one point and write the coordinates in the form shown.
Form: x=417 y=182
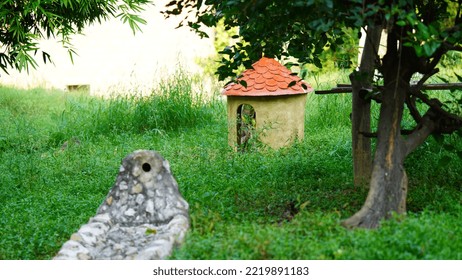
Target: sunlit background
x=110 y=57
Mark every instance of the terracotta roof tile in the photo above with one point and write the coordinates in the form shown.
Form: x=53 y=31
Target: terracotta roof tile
x=267 y=78
x=283 y=85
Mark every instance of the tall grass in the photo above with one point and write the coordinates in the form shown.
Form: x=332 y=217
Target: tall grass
x=173 y=106
x=60 y=153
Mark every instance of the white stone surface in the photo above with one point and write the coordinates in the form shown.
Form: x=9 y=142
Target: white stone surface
x=127 y=225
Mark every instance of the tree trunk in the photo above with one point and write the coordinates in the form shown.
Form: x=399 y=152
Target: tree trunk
x=388 y=185
x=361 y=108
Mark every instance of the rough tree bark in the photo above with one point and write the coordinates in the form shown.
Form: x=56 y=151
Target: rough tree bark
x=388 y=185
x=361 y=107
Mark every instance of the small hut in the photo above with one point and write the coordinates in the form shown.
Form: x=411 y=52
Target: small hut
x=266 y=103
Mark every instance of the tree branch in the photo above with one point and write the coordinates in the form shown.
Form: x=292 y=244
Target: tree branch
x=456 y=48
x=441 y=120
x=410 y=102
x=374 y=134
x=426 y=127
x=425 y=77
x=458 y=16
x=435 y=105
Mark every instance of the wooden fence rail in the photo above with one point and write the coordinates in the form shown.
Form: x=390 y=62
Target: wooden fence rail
x=346 y=88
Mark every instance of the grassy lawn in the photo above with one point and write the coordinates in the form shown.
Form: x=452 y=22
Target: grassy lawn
x=60 y=154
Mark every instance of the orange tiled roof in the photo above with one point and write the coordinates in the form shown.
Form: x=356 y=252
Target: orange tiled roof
x=267 y=78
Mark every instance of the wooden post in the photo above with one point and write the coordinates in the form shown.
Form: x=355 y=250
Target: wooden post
x=361 y=112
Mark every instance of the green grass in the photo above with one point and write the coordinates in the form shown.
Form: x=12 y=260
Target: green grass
x=284 y=204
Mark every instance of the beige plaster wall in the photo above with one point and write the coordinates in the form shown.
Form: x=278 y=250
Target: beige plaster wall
x=279 y=119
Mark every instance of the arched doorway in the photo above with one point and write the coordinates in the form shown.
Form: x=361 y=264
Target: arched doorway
x=246 y=122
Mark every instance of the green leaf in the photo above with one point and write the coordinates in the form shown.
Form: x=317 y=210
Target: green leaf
x=71 y=53
x=443 y=79
x=387 y=16
x=150 y=231
x=459 y=78
x=419 y=50
x=174 y=2
x=408 y=44
x=428 y=51
x=329 y=4
x=317 y=62
x=423 y=31
x=46 y=57
x=430 y=48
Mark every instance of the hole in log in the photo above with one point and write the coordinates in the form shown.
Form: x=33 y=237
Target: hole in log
x=146 y=167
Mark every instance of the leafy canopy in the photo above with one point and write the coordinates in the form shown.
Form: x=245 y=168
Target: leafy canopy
x=302 y=29
x=24 y=22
